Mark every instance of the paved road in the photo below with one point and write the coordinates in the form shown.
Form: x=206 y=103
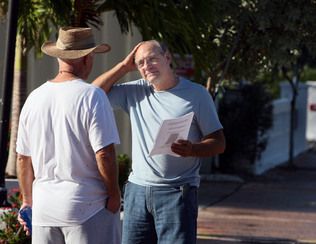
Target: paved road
x=277 y=207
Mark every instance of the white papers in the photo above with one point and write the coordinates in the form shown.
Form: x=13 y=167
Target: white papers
x=170 y=131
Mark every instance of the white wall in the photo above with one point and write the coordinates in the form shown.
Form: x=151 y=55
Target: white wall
x=311 y=114
x=277 y=150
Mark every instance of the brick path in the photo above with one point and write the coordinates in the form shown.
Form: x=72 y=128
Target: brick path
x=277 y=207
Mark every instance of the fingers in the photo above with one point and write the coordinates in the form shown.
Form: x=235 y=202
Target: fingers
x=113 y=204
x=129 y=60
x=23 y=223
x=136 y=47
x=182 y=148
x=26 y=230
x=131 y=55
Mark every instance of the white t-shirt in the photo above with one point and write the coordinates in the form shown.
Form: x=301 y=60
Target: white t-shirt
x=61 y=127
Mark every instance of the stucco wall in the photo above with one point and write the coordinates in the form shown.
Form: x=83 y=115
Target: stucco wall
x=277 y=150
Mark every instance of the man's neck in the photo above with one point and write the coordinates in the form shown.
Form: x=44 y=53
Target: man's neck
x=166 y=84
x=66 y=75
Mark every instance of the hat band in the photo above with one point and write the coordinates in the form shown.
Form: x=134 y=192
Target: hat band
x=80 y=44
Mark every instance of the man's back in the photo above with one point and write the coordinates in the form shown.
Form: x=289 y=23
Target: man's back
x=61 y=133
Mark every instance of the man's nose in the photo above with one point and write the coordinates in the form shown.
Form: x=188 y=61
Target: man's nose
x=147 y=63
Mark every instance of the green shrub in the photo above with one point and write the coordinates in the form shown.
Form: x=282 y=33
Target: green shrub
x=246 y=115
x=124 y=164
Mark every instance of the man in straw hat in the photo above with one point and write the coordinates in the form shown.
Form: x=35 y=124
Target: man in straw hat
x=66 y=157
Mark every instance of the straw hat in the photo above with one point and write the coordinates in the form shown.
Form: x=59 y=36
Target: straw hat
x=72 y=43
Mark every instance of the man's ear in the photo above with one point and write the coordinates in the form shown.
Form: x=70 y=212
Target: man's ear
x=87 y=58
x=168 y=57
x=83 y=60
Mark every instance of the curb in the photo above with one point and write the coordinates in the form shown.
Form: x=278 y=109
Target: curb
x=221 y=178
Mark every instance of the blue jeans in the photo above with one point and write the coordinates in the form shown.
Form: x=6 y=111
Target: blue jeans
x=159 y=214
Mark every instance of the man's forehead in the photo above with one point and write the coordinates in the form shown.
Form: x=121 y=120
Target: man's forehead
x=147 y=49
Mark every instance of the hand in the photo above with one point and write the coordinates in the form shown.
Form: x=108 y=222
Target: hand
x=113 y=203
x=183 y=148
x=128 y=62
x=22 y=222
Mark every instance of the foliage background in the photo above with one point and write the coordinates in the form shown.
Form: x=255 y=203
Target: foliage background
x=229 y=40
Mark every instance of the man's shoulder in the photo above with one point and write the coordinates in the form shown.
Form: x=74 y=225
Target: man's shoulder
x=192 y=85
x=38 y=90
x=93 y=93
x=132 y=86
x=134 y=82
x=89 y=88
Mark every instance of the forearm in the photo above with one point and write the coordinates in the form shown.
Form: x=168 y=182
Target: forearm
x=109 y=78
x=108 y=169
x=208 y=147
x=26 y=178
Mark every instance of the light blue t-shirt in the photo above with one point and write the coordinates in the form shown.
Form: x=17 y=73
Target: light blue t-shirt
x=147 y=109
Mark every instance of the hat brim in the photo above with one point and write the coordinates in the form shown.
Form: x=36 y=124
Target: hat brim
x=50 y=49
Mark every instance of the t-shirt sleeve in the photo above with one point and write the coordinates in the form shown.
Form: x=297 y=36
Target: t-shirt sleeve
x=117 y=97
x=127 y=95
x=22 y=143
x=102 y=126
x=207 y=117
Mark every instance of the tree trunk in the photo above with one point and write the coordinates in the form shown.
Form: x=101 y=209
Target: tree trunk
x=18 y=98
x=292 y=130
x=294 y=85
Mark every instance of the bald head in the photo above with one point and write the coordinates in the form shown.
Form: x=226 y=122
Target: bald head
x=154 y=64
x=153 y=45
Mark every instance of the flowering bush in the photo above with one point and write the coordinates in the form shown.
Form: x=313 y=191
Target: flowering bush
x=12 y=232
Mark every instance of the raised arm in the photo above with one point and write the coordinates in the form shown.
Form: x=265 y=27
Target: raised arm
x=109 y=78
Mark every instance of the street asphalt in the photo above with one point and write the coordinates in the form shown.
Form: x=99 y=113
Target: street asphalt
x=277 y=207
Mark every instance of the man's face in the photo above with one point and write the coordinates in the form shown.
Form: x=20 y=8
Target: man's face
x=152 y=63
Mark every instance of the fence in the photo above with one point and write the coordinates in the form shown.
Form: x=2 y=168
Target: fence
x=311 y=112
x=277 y=150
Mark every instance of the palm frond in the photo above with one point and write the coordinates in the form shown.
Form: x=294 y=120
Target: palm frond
x=85 y=13
x=3 y=9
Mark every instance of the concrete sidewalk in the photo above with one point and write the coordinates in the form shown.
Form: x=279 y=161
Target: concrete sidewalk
x=277 y=207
